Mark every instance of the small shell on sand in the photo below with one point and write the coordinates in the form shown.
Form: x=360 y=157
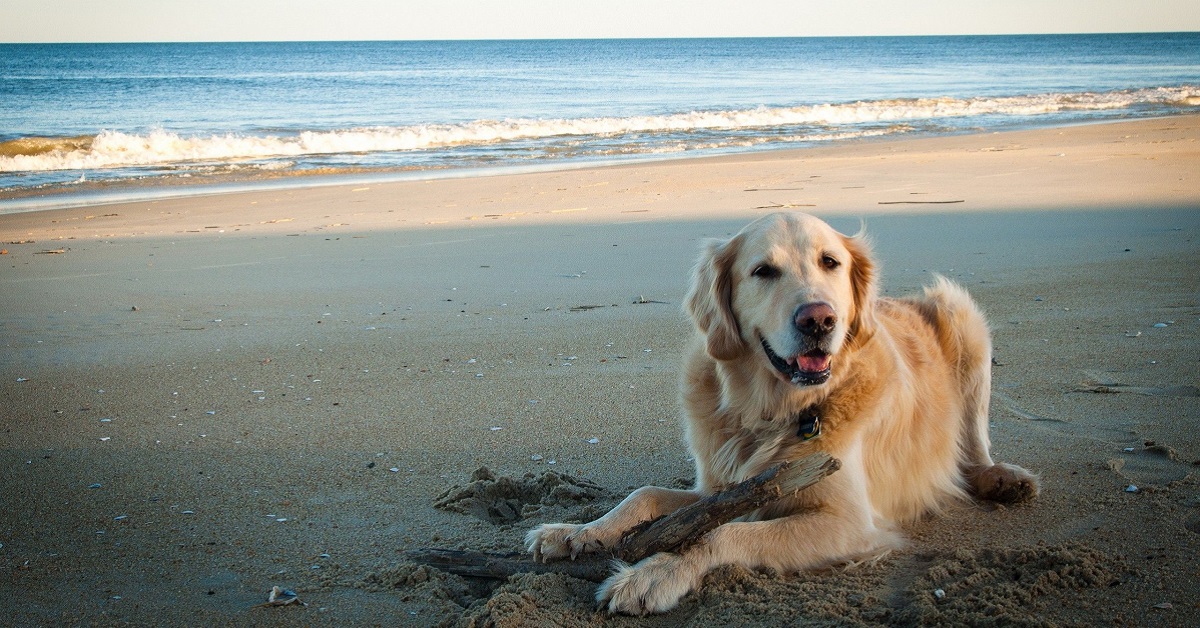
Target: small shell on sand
x=282 y=597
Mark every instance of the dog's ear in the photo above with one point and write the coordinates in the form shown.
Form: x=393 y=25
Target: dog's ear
x=710 y=299
x=864 y=287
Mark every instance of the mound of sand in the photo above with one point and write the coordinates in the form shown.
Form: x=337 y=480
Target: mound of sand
x=503 y=499
x=985 y=587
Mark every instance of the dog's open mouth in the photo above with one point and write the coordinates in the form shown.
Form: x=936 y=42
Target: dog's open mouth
x=808 y=369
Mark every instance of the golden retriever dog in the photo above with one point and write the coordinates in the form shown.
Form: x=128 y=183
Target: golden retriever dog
x=796 y=352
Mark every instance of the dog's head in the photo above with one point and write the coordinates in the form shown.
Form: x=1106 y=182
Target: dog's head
x=787 y=293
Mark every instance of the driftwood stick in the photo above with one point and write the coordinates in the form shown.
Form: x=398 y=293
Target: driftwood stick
x=501 y=566
x=671 y=533
x=687 y=525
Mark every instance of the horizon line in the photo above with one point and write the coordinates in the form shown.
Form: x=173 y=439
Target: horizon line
x=626 y=38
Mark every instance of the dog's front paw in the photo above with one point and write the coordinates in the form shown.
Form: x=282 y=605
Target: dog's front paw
x=553 y=541
x=654 y=585
x=1006 y=483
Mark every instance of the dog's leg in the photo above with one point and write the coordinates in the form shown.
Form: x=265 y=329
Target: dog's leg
x=999 y=482
x=789 y=544
x=553 y=541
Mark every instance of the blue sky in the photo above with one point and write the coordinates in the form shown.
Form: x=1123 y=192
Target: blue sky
x=270 y=20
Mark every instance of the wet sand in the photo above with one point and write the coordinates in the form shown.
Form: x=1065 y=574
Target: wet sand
x=206 y=397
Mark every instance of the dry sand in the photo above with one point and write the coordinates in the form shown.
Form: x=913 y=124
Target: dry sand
x=206 y=397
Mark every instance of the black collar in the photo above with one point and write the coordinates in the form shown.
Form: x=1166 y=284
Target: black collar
x=809 y=420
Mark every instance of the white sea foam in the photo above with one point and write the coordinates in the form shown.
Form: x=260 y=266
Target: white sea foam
x=117 y=149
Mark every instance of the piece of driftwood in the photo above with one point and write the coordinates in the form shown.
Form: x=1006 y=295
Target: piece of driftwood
x=920 y=202
x=496 y=566
x=670 y=533
x=1151 y=391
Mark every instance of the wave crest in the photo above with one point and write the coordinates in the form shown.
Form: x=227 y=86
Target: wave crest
x=118 y=149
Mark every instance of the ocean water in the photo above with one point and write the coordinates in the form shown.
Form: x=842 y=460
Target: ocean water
x=73 y=115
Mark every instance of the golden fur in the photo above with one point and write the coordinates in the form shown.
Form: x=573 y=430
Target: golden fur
x=901 y=386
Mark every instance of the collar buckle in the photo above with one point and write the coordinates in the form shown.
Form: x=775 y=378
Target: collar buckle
x=810 y=424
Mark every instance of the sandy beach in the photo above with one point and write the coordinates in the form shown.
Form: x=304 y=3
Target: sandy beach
x=206 y=397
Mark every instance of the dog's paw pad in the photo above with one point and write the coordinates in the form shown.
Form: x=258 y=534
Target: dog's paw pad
x=1006 y=483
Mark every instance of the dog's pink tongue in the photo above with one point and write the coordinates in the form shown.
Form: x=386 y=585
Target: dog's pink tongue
x=812 y=363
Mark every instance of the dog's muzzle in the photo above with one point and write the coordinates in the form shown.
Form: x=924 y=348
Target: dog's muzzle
x=806 y=369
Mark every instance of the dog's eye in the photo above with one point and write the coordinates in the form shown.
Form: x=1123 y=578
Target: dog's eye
x=829 y=262
x=765 y=271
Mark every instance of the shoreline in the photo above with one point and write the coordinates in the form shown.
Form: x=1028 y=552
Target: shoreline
x=1004 y=171
x=158 y=188
x=208 y=396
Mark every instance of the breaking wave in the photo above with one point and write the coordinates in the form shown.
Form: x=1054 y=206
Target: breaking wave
x=111 y=149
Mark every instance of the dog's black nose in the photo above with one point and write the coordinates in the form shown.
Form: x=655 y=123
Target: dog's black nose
x=815 y=319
